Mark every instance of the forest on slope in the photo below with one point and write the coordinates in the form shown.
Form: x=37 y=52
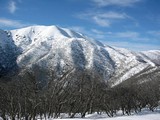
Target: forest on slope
x=75 y=92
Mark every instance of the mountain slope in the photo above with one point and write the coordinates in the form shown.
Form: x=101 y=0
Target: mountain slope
x=129 y=63
x=8 y=53
x=153 y=55
x=58 y=49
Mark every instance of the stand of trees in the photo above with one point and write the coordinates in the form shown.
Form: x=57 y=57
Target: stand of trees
x=73 y=92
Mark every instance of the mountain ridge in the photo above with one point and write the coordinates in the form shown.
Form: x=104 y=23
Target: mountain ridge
x=61 y=49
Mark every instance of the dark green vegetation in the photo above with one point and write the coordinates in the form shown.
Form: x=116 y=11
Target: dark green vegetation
x=76 y=92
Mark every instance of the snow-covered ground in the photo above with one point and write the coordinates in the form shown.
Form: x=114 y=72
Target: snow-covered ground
x=144 y=115
x=135 y=117
x=149 y=116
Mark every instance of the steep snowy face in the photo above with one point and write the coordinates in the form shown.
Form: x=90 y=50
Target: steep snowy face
x=129 y=63
x=8 y=53
x=26 y=36
x=152 y=55
x=60 y=49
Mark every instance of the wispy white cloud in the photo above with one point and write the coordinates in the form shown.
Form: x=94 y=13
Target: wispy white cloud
x=112 y=15
x=128 y=39
x=134 y=46
x=78 y=29
x=101 y=35
x=127 y=34
x=97 y=31
x=92 y=33
x=155 y=33
x=101 y=21
x=123 y=3
x=12 y=6
x=131 y=36
x=12 y=23
x=104 y=19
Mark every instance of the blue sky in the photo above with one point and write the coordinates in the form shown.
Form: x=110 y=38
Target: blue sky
x=132 y=24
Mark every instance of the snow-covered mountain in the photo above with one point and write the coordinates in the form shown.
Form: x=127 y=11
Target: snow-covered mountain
x=129 y=63
x=61 y=49
x=8 y=53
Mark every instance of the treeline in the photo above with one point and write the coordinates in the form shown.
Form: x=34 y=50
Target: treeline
x=72 y=93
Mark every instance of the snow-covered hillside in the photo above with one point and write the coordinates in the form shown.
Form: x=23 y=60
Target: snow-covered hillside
x=128 y=63
x=8 y=53
x=61 y=49
x=153 y=55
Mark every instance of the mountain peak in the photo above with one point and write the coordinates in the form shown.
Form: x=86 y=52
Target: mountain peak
x=61 y=49
x=54 y=31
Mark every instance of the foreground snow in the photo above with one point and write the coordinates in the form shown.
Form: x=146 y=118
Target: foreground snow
x=144 y=115
x=153 y=116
